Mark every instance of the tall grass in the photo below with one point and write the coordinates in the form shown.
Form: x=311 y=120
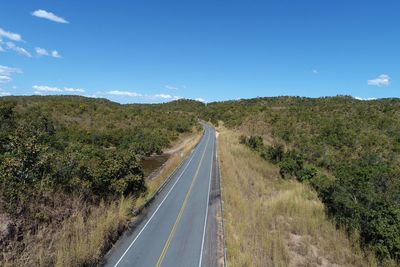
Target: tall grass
x=274 y=222
x=80 y=240
x=84 y=239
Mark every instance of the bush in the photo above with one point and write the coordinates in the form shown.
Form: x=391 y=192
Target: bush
x=255 y=143
x=275 y=153
x=306 y=173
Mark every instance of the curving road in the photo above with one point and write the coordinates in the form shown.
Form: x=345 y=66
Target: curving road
x=176 y=228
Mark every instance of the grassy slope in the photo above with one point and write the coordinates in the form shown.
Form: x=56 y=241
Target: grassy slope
x=275 y=222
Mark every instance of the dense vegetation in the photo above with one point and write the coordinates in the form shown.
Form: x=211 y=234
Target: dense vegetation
x=57 y=149
x=348 y=150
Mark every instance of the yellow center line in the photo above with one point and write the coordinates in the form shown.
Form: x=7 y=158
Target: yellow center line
x=172 y=233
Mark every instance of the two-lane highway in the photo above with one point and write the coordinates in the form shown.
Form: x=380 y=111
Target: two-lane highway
x=173 y=232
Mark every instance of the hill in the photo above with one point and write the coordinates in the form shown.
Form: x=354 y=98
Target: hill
x=346 y=149
x=66 y=155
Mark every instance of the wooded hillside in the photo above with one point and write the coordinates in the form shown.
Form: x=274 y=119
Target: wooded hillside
x=57 y=150
x=348 y=150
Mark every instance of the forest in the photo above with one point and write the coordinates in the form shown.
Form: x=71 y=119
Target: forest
x=347 y=150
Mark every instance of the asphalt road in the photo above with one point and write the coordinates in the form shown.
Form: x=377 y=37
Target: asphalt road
x=173 y=230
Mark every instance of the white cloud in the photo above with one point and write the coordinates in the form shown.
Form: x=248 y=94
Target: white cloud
x=315 y=71
x=6 y=73
x=40 y=89
x=40 y=13
x=163 y=96
x=44 y=88
x=19 y=50
x=44 y=52
x=4 y=93
x=74 y=90
x=124 y=93
x=92 y=96
x=365 y=99
x=382 y=81
x=171 y=87
x=1 y=49
x=200 y=99
x=5 y=79
x=55 y=54
x=10 y=35
x=41 y=51
x=4 y=70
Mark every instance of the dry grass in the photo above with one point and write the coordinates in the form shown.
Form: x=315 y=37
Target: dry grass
x=80 y=240
x=276 y=222
x=83 y=239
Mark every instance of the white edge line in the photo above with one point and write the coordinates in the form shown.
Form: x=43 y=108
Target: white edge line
x=144 y=227
x=208 y=201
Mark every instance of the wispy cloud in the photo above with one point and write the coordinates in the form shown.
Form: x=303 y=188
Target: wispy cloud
x=161 y=96
x=10 y=45
x=5 y=79
x=44 y=88
x=55 y=54
x=200 y=99
x=171 y=87
x=40 y=13
x=74 y=90
x=365 y=98
x=10 y=35
x=7 y=72
x=164 y=97
x=382 y=80
x=40 y=89
x=4 y=93
x=315 y=71
x=124 y=93
x=19 y=50
x=174 y=86
x=41 y=51
x=44 y=52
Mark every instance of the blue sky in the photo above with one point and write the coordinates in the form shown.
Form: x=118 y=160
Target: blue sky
x=156 y=51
